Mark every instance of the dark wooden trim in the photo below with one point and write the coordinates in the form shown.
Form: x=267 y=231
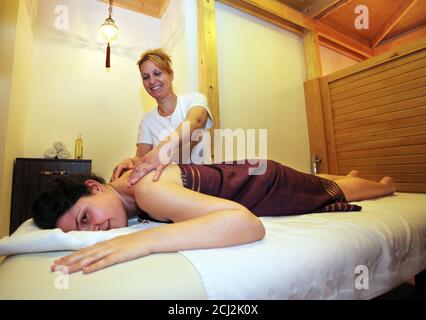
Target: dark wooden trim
x=59 y=160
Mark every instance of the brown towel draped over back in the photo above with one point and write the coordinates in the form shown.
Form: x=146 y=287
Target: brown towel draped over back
x=279 y=191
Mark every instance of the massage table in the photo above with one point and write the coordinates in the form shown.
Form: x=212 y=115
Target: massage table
x=340 y=255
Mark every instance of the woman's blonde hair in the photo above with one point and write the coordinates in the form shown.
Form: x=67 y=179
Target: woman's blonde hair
x=159 y=57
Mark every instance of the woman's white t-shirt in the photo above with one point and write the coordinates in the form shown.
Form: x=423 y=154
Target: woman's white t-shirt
x=153 y=128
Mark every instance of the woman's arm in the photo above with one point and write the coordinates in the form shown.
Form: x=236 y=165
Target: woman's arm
x=196 y=119
x=201 y=221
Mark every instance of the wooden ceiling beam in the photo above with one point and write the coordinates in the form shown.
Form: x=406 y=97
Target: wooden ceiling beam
x=153 y=8
x=343 y=40
x=163 y=6
x=322 y=8
x=404 y=7
x=342 y=50
x=266 y=16
x=266 y=8
x=283 y=11
x=410 y=37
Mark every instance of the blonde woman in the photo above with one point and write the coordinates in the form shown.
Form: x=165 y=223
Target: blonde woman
x=166 y=119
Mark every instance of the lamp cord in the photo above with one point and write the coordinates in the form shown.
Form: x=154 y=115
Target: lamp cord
x=110 y=8
x=108 y=51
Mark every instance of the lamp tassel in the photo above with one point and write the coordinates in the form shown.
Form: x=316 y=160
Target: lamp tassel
x=108 y=57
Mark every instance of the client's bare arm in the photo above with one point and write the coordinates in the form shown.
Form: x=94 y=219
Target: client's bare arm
x=200 y=221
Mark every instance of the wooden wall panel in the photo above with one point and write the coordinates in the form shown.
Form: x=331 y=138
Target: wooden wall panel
x=383 y=127
x=359 y=163
x=402 y=133
x=375 y=119
x=381 y=92
x=381 y=118
x=383 y=143
x=382 y=101
x=393 y=68
x=380 y=110
x=381 y=84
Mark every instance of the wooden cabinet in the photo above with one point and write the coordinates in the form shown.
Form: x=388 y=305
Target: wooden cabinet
x=29 y=177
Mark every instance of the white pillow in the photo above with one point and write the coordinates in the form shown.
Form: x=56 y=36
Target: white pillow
x=29 y=238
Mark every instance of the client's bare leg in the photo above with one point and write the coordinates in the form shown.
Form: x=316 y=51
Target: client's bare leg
x=353 y=173
x=357 y=189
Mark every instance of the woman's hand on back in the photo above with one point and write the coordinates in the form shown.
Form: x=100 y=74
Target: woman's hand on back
x=157 y=159
x=122 y=167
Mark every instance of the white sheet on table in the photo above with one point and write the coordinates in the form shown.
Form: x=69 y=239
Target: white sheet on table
x=302 y=257
x=315 y=256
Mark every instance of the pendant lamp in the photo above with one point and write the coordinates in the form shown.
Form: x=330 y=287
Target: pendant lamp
x=110 y=32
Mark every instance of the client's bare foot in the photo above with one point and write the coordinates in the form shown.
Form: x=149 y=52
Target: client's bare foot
x=354 y=173
x=389 y=182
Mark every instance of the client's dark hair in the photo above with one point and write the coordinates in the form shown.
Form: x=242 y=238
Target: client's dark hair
x=59 y=196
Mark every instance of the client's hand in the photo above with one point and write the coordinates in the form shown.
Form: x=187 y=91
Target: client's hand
x=104 y=254
x=122 y=167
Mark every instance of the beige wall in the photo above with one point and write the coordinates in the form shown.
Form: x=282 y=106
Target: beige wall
x=16 y=36
x=261 y=75
x=179 y=37
x=333 y=61
x=8 y=19
x=71 y=92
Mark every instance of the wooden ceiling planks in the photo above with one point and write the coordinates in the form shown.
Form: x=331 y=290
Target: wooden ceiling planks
x=323 y=8
x=410 y=37
x=153 y=8
x=400 y=21
x=391 y=21
x=378 y=11
x=415 y=18
x=300 y=5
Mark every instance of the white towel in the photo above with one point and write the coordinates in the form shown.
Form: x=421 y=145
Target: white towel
x=50 y=153
x=59 y=146
x=29 y=238
x=64 y=154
